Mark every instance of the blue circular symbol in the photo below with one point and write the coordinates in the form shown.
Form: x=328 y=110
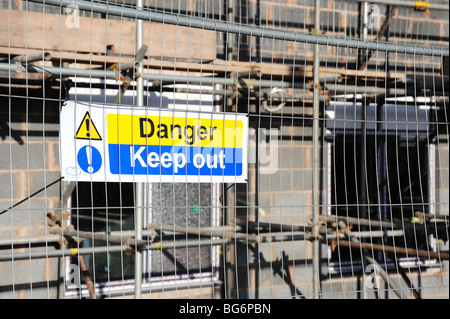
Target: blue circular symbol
x=89 y=159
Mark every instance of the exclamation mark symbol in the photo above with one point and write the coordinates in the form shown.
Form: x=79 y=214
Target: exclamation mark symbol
x=89 y=158
x=87 y=128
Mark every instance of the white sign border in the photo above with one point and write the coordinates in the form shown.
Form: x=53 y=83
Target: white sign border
x=72 y=114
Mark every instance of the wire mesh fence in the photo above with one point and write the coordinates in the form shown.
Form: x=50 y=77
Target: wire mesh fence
x=224 y=149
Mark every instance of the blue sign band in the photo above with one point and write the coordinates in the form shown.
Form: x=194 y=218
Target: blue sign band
x=128 y=159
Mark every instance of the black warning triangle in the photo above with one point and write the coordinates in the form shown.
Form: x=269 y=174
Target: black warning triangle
x=87 y=129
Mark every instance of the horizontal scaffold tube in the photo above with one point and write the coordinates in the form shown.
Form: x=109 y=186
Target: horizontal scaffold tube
x=359 y=221
x=166 y=79
x=397 y=250
x=232 y=234
x=411 y=4
x=108 y=249
x=62 y=253
x=242 y=30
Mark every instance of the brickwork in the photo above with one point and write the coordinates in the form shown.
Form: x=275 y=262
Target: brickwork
x=338 y=18
x=29 y=149
x=431 y=281
x=191 y=293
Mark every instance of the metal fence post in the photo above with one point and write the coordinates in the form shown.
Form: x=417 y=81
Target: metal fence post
x=316 y=159
x=139 y=190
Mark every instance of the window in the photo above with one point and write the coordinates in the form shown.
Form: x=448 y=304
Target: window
x=100 y=207
x=389 y=180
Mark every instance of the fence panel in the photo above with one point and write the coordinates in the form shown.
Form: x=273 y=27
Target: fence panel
x=224 y=149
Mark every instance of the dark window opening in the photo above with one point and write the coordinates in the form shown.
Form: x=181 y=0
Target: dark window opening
x=347 y=183
x=395 y=188
x=100 y=207
x=407 y=191
x=109 y=207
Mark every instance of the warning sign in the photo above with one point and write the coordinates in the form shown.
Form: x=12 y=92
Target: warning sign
x=87 y=129
x=152 y=145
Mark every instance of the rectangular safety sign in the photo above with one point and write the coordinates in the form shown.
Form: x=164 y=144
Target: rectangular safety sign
x=130 y=144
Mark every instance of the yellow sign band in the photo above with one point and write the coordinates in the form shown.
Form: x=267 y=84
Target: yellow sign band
x=74 y=251
x=174 y=131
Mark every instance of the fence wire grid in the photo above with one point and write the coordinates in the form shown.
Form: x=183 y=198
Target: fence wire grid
x=258 y=149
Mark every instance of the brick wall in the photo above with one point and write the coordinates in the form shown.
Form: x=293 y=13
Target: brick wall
x=338 y=18
x=432 y=285
x=29 y=149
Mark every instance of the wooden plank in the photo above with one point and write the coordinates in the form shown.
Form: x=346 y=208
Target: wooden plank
x=33 y=30
x=66 y=56
x=218 y=66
